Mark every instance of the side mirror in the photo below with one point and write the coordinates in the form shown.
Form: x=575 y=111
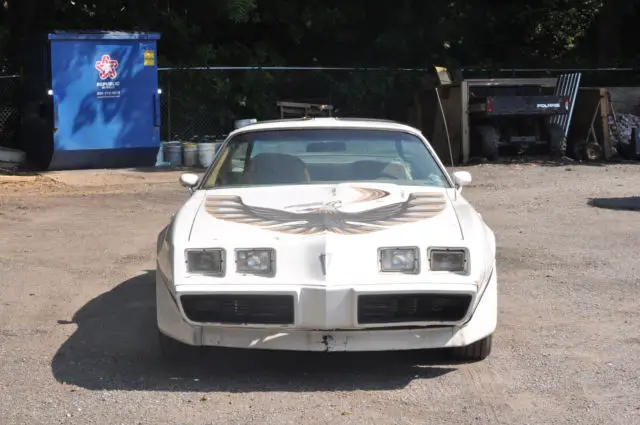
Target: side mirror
x=189 y=180
x=462 y=178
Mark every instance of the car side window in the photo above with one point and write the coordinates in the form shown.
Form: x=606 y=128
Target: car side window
x=234 y=166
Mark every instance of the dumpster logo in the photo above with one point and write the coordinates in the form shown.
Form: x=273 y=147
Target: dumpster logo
x=107 y=67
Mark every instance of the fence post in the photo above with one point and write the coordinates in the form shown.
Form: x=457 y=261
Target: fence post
x=169 y=108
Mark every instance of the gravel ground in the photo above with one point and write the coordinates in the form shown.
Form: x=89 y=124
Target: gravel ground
x=77 y=341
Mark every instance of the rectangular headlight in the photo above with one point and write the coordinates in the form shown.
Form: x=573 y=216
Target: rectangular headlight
x=448 y=260
x=205 y=261
x=402 y=260
x=260 y=261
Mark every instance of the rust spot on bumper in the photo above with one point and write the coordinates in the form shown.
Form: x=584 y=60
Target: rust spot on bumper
x=327 y=341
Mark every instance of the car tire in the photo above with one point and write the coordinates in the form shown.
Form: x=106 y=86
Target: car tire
x=171 y=349
x=557 y=141
x=489 y=140
x=477 y=351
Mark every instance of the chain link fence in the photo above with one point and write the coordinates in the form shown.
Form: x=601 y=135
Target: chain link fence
x=9 y=112
x=200 y=103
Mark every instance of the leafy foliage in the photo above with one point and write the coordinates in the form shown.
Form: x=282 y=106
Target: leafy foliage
x=239 y=11
x=331 y=32
x=354 y=33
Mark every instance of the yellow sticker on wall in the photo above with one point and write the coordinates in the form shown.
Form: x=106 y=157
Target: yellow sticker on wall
x=149 y=58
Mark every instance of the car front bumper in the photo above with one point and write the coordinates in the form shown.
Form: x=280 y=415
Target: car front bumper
x=326 y=320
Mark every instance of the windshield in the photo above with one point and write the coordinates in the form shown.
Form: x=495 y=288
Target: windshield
x=322 y=156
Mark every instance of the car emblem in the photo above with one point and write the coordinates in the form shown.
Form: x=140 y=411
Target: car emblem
x=324 y=262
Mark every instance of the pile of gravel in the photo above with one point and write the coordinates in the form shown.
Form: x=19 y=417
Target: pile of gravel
x=625 y=124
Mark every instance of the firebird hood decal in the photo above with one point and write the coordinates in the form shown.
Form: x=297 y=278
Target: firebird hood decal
x=327 y=217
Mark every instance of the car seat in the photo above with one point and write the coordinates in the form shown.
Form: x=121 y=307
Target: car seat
x=275 y=168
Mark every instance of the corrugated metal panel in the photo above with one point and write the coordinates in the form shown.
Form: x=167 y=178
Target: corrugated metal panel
x=568 y=85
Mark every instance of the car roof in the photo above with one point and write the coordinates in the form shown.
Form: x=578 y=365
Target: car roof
x=328 y=122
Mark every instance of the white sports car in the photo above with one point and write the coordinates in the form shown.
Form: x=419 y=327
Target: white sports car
x=327 y=234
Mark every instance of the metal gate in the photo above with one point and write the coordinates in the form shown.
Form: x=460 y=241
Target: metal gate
x=567 y=86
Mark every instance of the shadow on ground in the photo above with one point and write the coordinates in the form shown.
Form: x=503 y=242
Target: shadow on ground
x=629 y=203
x=114 y=347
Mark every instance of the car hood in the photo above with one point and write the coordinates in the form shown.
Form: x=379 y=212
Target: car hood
x=346 y=213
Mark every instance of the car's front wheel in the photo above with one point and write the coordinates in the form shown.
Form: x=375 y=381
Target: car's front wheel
x=477 y=351
x=171 y=349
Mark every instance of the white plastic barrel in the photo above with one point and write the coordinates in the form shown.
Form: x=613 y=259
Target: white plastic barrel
x=190 y=154
x=173 y=153
x=206 y=153
x=12 y=156
x=244 y=122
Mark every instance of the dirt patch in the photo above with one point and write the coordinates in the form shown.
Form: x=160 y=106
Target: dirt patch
x=12 y=184
x=84 y=182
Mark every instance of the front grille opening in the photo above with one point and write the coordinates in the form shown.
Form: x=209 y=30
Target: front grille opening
x=239 y=309
x=376 y=309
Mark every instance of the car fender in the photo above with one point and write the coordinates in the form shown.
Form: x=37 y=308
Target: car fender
x=479 y=236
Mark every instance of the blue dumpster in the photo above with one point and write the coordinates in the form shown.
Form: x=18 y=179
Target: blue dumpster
x=104 y=100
